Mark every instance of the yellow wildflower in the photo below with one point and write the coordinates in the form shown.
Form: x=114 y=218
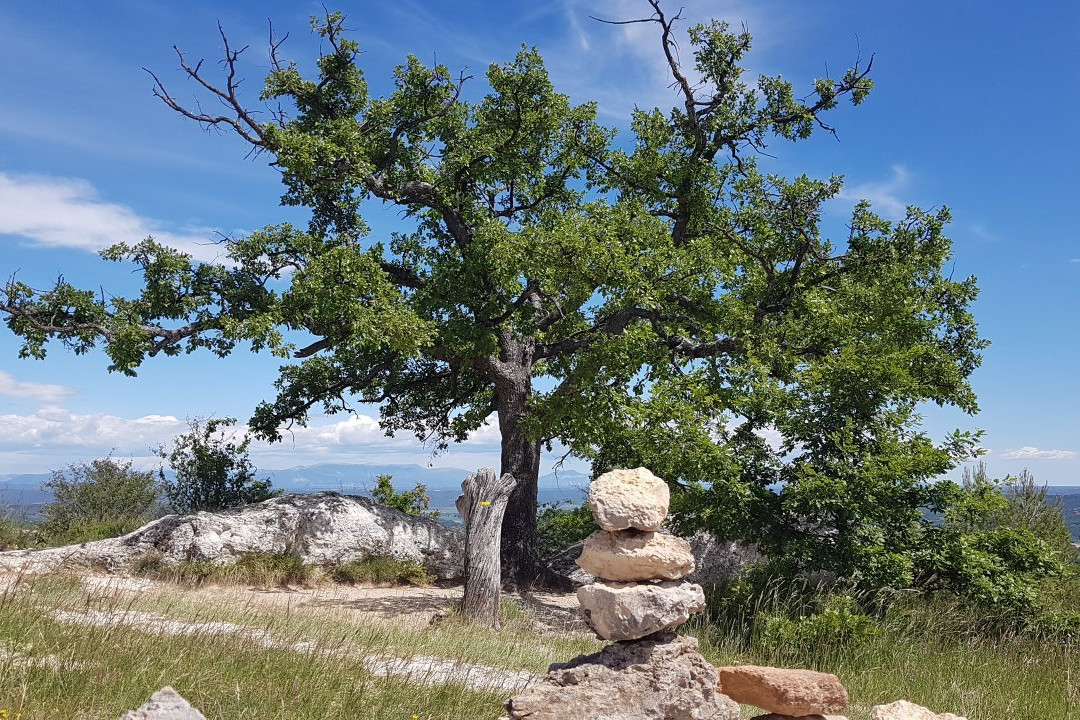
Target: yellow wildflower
x=485 y=503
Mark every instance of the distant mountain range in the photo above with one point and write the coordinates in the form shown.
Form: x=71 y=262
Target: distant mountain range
x=23 y=493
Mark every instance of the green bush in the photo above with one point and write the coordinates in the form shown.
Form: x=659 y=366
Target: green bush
x=212 y=472
x=560 y=525
x=380 y=570
x=411 y=502
x=92 y=500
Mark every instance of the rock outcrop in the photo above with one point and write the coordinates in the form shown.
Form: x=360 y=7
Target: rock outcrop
x=631 y=555
x=661 y=678
x=629 y=611
x=904 y=710
x=783 y=691
x=165 y=704
x=320 y=528
x=624 y=499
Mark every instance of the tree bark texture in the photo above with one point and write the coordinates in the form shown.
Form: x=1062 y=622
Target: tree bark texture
x=482 y=504
x=520 y=458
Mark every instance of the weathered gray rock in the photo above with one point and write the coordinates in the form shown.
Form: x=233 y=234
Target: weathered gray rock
x=784 y=691
x=661 y=678
x=564 y=563
x=624 y=499
x=321 y=528
x=904 y=710
x=719 y=561
x=775 y=716
x=165 y=704
x=631 y=555
x=628 y=611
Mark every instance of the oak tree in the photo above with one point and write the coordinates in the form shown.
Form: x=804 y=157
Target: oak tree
x=656 y=298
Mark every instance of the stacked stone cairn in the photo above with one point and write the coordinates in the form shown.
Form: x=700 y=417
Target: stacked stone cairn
x=648 y=673
x=638 y=568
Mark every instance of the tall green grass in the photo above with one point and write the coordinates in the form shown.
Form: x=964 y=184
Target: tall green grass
x=932 y=651
x=53 y=670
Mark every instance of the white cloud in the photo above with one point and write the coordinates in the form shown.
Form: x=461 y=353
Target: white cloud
x=53 y=437
x=57 y=428
x=1033 y=453
x=68 y=213
x=887 y=198
x=45 y=393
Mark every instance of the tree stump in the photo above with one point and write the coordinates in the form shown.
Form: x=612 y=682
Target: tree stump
x=482 y=505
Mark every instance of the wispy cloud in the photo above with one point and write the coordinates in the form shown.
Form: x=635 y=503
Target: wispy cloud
x=68 y=213
x=44 y=393
x=888 y=198
x=1033 y=453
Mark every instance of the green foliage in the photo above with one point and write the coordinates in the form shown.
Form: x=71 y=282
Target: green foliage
x=560 y=527
x=838 y=619
x=380 y=570
x=212 y=471
x=410 y=502
x=94 y=499
x=1000 y=545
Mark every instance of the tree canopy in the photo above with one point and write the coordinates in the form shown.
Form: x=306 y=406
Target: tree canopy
x=656 y=299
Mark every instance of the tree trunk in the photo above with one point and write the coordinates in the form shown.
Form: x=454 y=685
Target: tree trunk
x=521 y=458
x=482 y=505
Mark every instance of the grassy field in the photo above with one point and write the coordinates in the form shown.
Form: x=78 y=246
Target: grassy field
x=235 y=654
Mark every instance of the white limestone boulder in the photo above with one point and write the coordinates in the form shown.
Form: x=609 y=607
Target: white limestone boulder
x=321 y=528
x=629 y=611
x=624 y=499
x=631 y=555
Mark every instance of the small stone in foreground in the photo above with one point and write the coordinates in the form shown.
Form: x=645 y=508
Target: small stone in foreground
x=165 y=704
x=624 y=499
x=631 y=555
x=660 y=678
x=904 y=710
x=629 y=611
x=784 y=691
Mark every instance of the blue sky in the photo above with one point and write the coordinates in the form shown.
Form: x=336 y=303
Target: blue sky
x=975 y=108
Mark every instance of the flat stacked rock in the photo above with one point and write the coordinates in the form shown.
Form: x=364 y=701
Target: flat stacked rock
x=784 y=693
x=638 y=568
x=648 y=673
